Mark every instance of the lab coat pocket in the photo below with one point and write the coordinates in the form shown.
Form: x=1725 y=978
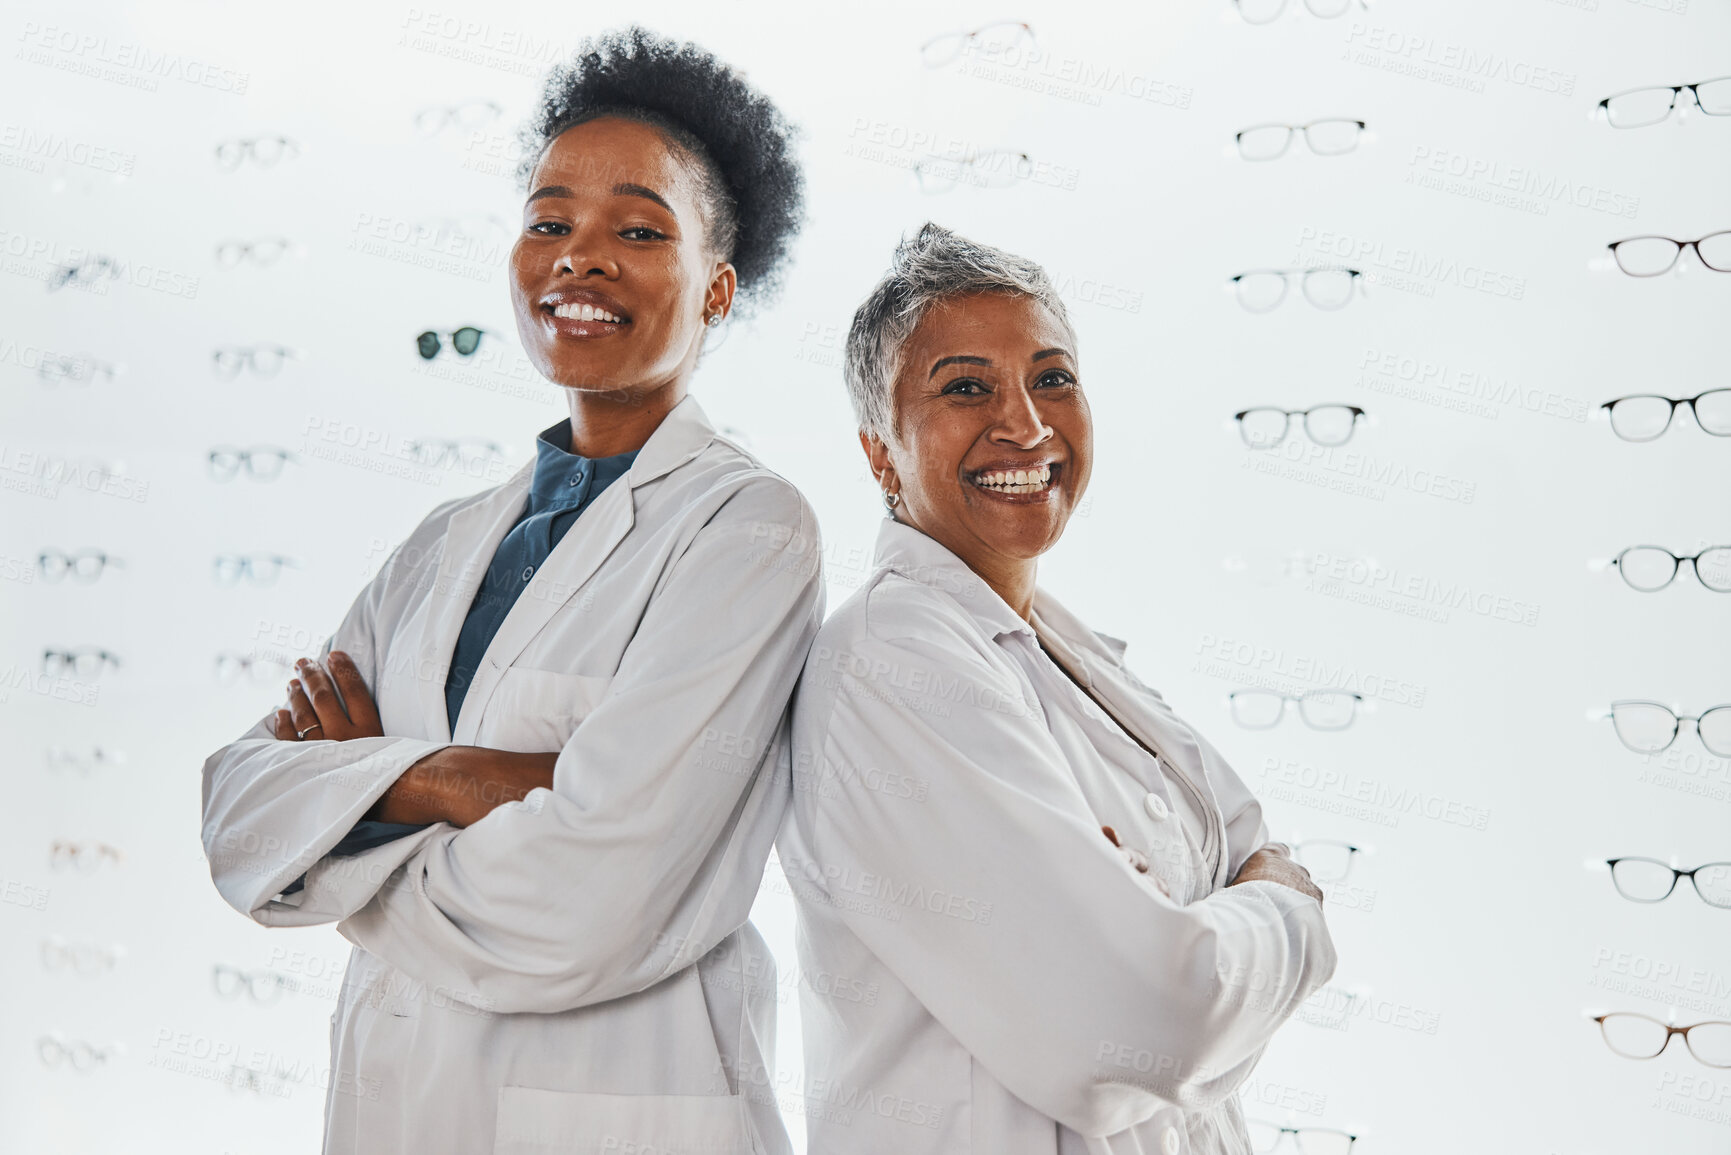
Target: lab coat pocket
x=536 y=1122
x=536 y=711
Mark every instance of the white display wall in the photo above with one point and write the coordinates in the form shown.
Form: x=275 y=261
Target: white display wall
x=1449 y=563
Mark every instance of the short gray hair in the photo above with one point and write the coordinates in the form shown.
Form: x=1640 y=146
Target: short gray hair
x=931 y=267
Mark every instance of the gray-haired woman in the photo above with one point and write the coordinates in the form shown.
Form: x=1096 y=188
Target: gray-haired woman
x=1039 y=914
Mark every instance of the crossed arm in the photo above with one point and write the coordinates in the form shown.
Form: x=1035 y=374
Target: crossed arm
x=455 y=784
x=1098 y=962
x=657 y=858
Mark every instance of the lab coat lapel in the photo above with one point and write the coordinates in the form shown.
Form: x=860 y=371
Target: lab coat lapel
x=471 y=538
x=1148 y=718
x=598 y=530
x=1155 y=722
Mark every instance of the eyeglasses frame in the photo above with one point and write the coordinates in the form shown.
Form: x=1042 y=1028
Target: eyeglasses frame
x=244 y=457
x=1609 y=408
x=70 y=562
x=1356 y=275
x=1357 y=700
x=963 y=37
x=1352 y=853
x=1677 y=561
x=1280 y=11
x=1357 y=414
x=438 y=346
x=1694 y=94
x=968 y=161
x=1675 y=875
x=1670 y=1030
x=1677 y=721
x=1291 y=130
x=1350 y=1137
x=1680 y=245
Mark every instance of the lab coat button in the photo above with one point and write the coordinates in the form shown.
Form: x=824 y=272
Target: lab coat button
x=1169 y=1141
x=1158 y=810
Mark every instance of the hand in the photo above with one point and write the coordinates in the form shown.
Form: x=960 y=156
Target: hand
x=1273 y=863
x=1136 y=859
x=316 y=710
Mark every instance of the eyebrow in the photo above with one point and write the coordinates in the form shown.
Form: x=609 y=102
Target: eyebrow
x=619 y=190
x=969 y=359
x=962 y=359
x=648 y=194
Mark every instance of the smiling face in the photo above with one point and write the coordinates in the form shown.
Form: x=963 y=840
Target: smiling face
x=994 y=441
x=612 y=276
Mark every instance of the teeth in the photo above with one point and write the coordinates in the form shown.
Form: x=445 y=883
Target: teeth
x=586 y=313
x=1015 y=480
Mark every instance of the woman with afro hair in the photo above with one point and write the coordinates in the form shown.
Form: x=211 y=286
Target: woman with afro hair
x=535 y=774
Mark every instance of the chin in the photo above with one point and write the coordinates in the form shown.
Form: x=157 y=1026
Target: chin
x=591 y=375
x=1022 y=542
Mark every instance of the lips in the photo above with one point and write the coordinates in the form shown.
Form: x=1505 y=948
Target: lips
x=581 y=313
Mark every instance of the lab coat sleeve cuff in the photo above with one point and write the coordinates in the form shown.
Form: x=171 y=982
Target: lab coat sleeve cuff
x=338 y=885
x=1302 y=962
x=265 y=829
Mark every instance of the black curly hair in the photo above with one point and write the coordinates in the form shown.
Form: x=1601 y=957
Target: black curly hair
x=752 y=188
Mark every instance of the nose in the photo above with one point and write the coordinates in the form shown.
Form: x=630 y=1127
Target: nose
x=583 y=254
x=1018 y=419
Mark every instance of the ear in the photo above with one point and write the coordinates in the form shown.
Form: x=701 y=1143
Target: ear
x=722 y=286
x=877 y=457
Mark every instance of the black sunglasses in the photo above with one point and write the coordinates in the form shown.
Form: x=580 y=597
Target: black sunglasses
x=465 y=341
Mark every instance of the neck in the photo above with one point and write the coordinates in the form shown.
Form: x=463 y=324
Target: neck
x=1010 y=578
x=607 y=423
x=1014 y=583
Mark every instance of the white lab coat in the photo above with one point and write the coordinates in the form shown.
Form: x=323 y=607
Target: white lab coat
x=982 y=972
x=575 y=972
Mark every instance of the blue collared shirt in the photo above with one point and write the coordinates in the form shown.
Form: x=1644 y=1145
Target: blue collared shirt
x=561 y=488
x=563 y=485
